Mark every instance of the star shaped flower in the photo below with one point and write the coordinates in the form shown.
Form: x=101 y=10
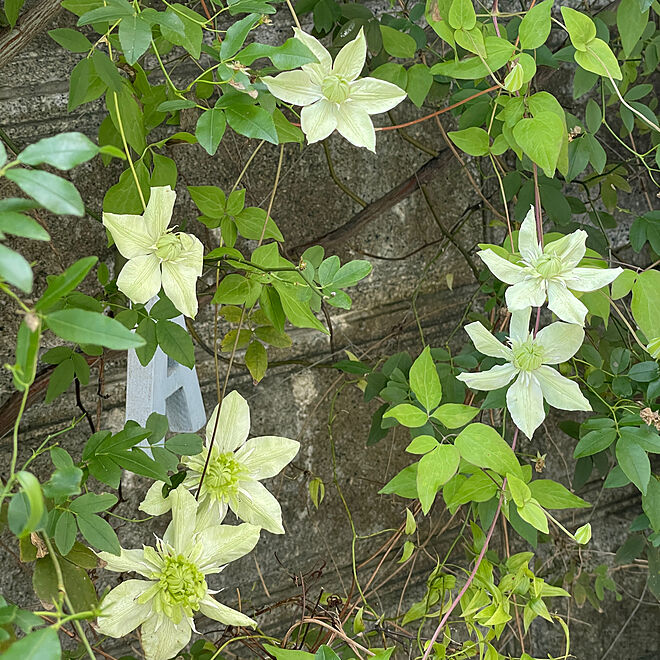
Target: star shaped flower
x=332 y=96
x=234 y=471
x=550 y=273
x=527 y=361
x=175 y=588
x=156 y=255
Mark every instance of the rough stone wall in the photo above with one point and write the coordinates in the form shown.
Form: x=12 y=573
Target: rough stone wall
x=297 y=400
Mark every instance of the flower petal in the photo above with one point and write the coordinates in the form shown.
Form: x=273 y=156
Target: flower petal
x=524 y=400
x=266 y=456
x=154 y=503
x=120 y=611
x=591 y=279
x=180 y=275
x=129 y=561
x=318 y=49
x=218 y=612
x=255 y=504
x=375 y=96
x=530 y=292
x=503 y=269
x=162 y=638
x=519 y=325
x=486 y=343
x=496 y=377
x=355 y=125
x=211 y=511
x=570 y=248
x=318 y=120
x=560 y=341
x=225 y=543
x=179 y=533
x=130 y=234
x=564 y=304
x=233 y=424
x=293 y=87
x=351 y=58
x=140 y=278
x=528 y=240
x=560 y=392
x=159 y=209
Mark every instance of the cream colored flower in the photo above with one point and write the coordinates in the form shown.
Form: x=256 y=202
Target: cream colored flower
x=157 y=256
x=175 y=588
x=234 y=471
x=527 y=361
x=332 y=96
x=550 y=273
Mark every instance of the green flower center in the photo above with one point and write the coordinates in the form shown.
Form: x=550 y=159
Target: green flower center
x=223 y=475
x=549 y=265
x=182 y=585
x=335 y=88
x=528 y=356
x=168 y=247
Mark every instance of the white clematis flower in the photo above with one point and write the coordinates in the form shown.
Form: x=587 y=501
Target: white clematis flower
x=331 y=94
x=526 y=361
x=175 y=588
x=550 y=273
x=234 y=471
x=156 y=255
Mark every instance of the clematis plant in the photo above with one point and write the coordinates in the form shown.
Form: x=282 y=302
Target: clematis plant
x=175 y=588
x=527 y=361
x=332 y=96
x=235 y=467
x=156 y=255
x=550 y=272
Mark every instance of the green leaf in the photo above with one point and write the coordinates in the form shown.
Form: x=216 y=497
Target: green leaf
x=408 y=415
x=435 y=469
x=113 y=10
x=519 y=490
x=51 y=191
x=623 y=284
x=252 y=122
x=14 y=269
x=422 y=444
x=403 y=484
x=176 y=342
x=424 y=380
x=583 y=534
x=581 y=29
x=77 y=584
x=12 y=9
x=594 y=442
x=42 y=644
x=541 y=138
x=535 y=26
x=256 y=360
x=191 y=36
x=62 y=284
x=60 y=380
x=651 y=503
x=210 y=129
x=236 y=34
x=186 y=444
x=83 y=327
x=232 y=290
x=65 y=532
x=473 y=140
x=27 y=353
x=398 y=44
x=31 y=488
x=325 y=653
x=455 y=415
x=134 y=37
x=552 y=495
x=286 y=654
x=85 y=84
x=21 y=225
x=634 y=462
x=72 y=40
x=250 y=222
x=419 y=83
x=462 y=15
x=599 y=58
x=296 y=310
x=99 y=533
x=631 y=23
x=210 y=200
x=147 y=330
x=646 y=302
x=484 y=447
x=131 y=116
x=64 y=151
x=532 y=513
x=498 y=53
x=93 y=503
